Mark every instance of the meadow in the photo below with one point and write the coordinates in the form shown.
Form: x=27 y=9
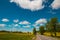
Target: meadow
x=15 y=36
x=49 y=34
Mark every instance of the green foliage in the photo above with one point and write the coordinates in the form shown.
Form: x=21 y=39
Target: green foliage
x=58 y=27
x=15 y=36
x=34 y=31
x=51 y=25
x=48 y=27
x=41 y=30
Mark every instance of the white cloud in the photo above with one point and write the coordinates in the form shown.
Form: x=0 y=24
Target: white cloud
x=27 y=4
x=5 y=20
x=16 y=20
x=56 y=4
x=27 y=26
x=37 y=27
x=41 y=21
x=52 y=12
x=24 y=22
x=2 y=25
x=34 y=25
x=13 y=29
x=41 y=24
x=16 y=25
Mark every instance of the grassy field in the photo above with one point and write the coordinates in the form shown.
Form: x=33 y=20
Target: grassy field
x=49 y=34
x=15 y=36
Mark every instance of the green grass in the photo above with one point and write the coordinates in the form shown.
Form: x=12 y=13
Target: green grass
x=49 y=34
x=15 y=36
x=57 y=35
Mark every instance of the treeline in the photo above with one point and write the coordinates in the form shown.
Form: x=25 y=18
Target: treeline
x=11 y=31
x=51 y=26
x=4 y=31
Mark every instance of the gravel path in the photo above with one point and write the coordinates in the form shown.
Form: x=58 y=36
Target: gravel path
x=38 y=37
x=41 y=37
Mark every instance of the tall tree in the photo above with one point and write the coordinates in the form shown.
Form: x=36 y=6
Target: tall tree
x=58 y=27
x=41 y=30
x=54 y=22
x=52 y=25
x=34 y=31
x=49 y=27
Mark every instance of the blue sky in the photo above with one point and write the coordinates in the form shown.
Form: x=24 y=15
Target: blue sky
x=26 y=17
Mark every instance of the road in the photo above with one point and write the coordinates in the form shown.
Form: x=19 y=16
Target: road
x=41 y=37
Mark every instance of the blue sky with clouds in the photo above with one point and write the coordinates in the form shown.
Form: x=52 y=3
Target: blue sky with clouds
x=24 y=15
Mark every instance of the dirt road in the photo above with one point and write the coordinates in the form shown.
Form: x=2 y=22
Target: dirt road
x=41 y=37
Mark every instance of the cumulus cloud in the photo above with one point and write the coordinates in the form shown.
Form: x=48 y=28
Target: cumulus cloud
x=13 y=29
x=5 y=20
x=2 y=25
x=16 y=25
x=56 y=4
x=27 y=26
x=27 y=4
x=41 y=21
x=16 y=20
x=24 y=22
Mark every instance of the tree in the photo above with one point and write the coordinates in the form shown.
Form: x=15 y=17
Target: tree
x=58 y=27
x=51 y=25
x=54 y=22
x=48 y=26
x=41 y=30
x=34 y=31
